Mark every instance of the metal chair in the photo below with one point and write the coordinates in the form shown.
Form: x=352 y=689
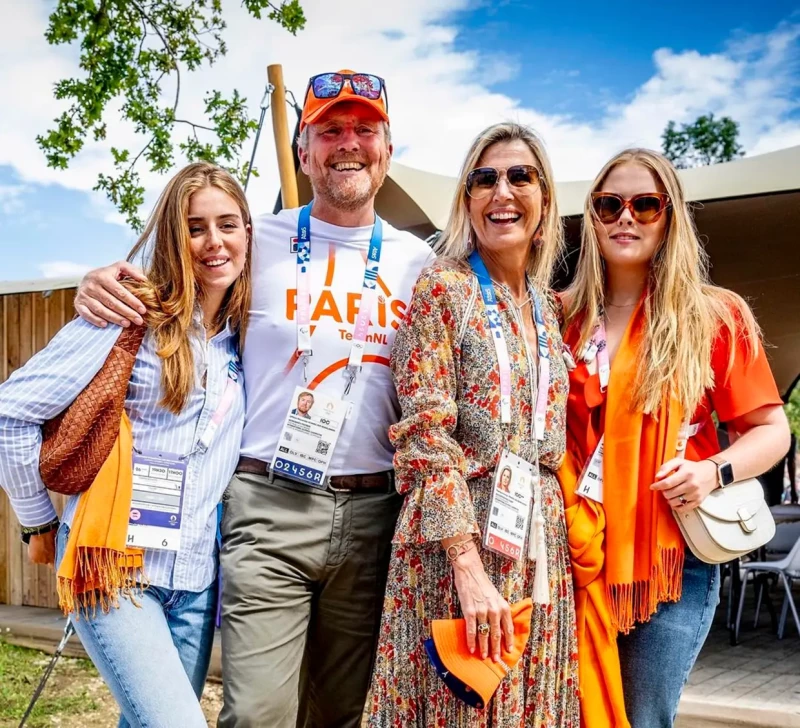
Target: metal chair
x=785 y=569
x=786 y=535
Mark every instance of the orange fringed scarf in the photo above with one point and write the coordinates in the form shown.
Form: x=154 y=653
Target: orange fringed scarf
x=644 y=546
x=627 y=554
x=97 y=566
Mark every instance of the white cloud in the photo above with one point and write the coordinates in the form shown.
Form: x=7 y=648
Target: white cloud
x=63 y=269
x=10 y=198
x=438 y=97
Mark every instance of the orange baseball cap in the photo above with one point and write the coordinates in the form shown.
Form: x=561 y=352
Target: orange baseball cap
x=314 y=108
x=468 y=676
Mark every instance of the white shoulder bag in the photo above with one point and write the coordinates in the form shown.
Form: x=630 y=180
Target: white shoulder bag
x=731 y=521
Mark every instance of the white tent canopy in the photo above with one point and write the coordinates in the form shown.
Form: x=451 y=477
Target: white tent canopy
x=432 y=193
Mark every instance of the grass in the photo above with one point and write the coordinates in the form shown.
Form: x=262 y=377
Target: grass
x=65 y=695
x=74 y=697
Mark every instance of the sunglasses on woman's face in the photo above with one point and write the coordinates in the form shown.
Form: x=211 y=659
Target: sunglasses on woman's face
x=482 y=181
x=330 y=85
x=645 y=208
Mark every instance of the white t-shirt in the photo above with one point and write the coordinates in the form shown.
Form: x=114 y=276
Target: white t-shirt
x=272 y=369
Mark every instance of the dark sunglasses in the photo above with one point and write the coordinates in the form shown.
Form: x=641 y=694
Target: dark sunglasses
x=330 y=85
x=482 y=181
x=645 y=208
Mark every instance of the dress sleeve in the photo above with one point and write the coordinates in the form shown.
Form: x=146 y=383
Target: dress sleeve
x=748 y=385
x=429 y=463
x=40 y=390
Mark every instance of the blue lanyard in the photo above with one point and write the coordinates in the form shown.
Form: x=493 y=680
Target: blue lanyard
x=501 y=348
x=369 y=290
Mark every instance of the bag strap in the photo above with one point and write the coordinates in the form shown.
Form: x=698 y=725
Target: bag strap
x=130 y=340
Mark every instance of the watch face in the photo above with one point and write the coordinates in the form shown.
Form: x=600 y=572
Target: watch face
x=725 y=473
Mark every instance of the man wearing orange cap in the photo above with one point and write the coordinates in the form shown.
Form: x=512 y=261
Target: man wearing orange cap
x=309 y=516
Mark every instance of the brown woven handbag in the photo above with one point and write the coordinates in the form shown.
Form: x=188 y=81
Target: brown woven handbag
x=77 y=442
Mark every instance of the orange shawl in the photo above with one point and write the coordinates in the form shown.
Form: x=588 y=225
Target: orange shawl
x=97 y=566
x=599 y=675
x=644 y=546
x=627 y=554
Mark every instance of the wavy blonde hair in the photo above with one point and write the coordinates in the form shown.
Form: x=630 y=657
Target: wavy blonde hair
x=457 y=239
x=683 y=309
x=172 y=290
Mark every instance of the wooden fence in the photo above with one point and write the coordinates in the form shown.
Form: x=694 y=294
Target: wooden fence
x=28 y=320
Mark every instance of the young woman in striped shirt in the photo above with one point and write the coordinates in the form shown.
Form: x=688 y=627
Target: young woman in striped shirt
x=149 y=627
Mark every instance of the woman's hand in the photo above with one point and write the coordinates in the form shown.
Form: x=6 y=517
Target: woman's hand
x=481 y=604
x=42 y=548
x=686 y=483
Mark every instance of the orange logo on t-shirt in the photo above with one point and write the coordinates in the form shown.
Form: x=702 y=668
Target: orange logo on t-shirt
x=342 y=307
x=345 y=310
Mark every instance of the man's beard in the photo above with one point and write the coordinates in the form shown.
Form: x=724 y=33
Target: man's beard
x=349 y=194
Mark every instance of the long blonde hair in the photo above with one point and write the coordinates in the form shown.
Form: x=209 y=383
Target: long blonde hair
x=172 y=290
x=683 y=309
x=457 y=240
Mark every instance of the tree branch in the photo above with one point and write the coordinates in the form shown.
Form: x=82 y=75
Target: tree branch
x=144 y=38
x=136 y=158
x=193 y=125
x=166 y=48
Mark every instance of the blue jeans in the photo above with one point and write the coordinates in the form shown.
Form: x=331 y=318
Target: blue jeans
x=657 y=656
x=154 y=658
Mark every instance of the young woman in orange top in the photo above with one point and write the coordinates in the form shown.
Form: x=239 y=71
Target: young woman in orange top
x=653 y=341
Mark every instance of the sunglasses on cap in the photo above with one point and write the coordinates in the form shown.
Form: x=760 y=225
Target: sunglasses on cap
x=482 y=181
x=330 y=85
x=645 y=208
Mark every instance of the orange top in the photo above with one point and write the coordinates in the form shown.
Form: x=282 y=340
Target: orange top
x=747 y=387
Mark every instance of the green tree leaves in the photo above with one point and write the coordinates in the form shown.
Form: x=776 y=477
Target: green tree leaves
x=706 y=141
x=132 y=52
x=792 y=408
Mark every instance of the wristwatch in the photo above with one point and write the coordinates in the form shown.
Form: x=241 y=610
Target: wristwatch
x=724 y=470
x=28 y=531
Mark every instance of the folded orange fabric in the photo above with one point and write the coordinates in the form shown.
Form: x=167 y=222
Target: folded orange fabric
x=473 y=679
x=97 y=566
x=600 y=678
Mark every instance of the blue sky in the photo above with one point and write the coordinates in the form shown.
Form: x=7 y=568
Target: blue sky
x=575 y=62
x=588 y=75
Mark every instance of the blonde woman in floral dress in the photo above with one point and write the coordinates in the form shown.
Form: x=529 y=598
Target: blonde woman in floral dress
x=505 y=228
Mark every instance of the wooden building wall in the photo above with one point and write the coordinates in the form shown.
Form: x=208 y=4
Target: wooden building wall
x=27 y=322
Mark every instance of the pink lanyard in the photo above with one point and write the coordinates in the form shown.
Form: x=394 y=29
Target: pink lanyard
x=228 y=396
x=597 y=346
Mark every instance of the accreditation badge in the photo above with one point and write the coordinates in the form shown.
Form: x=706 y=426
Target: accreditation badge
x=510 y=506
x=309 y=435
x=154 y=521
x=590 y=484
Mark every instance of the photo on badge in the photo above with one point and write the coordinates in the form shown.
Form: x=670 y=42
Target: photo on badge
x=304 y=405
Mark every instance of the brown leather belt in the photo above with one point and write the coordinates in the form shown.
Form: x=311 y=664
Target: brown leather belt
x=368 y=482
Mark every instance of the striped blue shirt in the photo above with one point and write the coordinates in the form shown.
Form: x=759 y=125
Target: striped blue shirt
x=53 y=378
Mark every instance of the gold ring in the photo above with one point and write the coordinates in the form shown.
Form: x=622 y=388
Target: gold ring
x=483 y=628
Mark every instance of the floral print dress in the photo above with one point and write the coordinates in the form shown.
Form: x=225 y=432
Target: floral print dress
x=448 y=444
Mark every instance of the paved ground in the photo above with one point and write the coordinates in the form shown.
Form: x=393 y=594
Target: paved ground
x=753 y=685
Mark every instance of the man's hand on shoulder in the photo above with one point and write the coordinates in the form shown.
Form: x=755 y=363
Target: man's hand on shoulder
x=102 y=300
